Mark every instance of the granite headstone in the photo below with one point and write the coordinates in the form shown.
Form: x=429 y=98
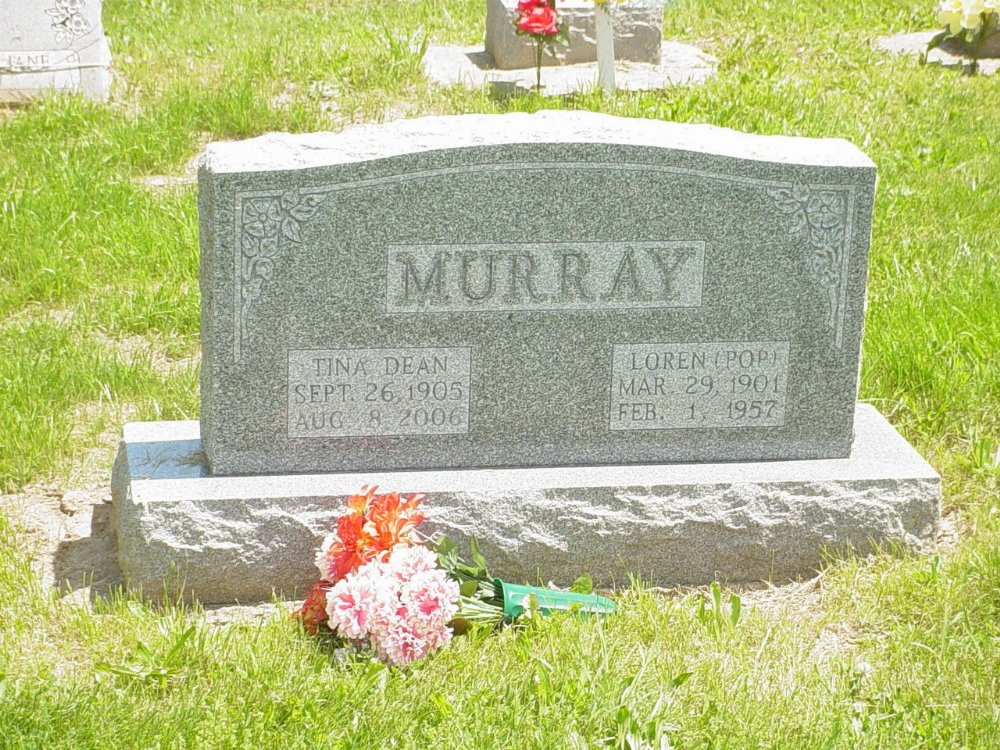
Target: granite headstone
x=53 y=45
x=556 y=297
x=563 y=288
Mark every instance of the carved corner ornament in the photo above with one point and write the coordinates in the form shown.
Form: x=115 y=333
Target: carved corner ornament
x=68 y=20
x=265 y=226
x=821 y=217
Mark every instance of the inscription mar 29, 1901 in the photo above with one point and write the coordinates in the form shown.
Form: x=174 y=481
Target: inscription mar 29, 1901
x=374 y=392
x=692 y=385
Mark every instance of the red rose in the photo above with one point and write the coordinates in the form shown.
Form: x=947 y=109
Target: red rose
x=538 y=20
x=525 y=5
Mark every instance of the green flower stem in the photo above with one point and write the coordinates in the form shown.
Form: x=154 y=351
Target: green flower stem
x=538 y=64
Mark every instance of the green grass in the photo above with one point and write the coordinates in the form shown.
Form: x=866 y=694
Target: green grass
x=90 y=259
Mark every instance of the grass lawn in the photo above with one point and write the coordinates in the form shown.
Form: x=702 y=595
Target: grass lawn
x=99 y=324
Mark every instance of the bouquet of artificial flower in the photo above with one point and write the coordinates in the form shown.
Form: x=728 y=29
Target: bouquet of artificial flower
x=970 y=23
x=384 y=587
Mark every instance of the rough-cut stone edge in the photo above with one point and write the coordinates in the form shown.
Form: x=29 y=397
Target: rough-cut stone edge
x=286 y=151
x=226 y=539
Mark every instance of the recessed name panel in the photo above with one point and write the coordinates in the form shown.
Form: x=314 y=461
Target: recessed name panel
x=689 y=385
x=372 y=392
x=544 y=276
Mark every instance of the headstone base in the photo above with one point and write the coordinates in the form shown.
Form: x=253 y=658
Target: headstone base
x=245 y=539
x=680 y=64
x=947 y=55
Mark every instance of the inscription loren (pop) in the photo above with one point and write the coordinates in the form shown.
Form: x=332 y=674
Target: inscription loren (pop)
x=819 y=213
x=378 y=392
x=544 y=276
x=739 y=384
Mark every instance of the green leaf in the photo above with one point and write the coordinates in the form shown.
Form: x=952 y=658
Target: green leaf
x=469 y=588
x=938 y=40
x=583 y=585
x=735 y=608
x=477 y=556
x=443 y=545
x=680 y=679
x=717 y=596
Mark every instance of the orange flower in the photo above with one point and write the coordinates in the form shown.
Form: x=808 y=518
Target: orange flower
x=357 y=504
x=395 y=520
x=372 y=526
x=312 y=613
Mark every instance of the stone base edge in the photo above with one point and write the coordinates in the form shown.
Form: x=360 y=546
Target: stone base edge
x=474 y=68
x=245 y=539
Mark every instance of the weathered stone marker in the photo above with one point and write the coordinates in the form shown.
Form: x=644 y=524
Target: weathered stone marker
x=563 y=289
x=531 y=318
x=48 y=45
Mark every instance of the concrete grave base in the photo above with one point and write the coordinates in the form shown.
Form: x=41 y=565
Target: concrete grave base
x=474 y=68
x=226 y=539
x=948 y=55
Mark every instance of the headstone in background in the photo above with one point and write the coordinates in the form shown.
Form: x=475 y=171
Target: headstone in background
x=529 y=318
x=638 y=26
x=562 y=289
x=52 y=45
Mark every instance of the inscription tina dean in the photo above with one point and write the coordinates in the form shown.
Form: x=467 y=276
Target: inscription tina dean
x=682 y=385
x=544 y=276
x=377 y=392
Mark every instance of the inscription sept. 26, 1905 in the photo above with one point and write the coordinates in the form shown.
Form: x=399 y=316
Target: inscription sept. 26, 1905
x=369 y=392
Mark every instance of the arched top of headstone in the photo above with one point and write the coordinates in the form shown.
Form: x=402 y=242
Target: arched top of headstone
x=283 y=151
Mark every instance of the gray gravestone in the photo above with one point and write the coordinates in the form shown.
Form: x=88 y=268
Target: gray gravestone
x=562 y=295
x=564 y=288
x=52 y=45
x=638 y=27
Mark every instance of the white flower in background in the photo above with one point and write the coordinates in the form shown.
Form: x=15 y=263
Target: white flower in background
x=972 y=11
x=950 y=15
x=965 y=14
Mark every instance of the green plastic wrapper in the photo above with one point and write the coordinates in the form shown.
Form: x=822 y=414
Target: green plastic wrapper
x=516 y=601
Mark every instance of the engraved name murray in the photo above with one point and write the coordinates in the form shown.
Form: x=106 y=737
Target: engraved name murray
x=428 y=278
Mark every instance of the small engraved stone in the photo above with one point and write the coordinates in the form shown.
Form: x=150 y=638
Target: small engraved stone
x=53 y=45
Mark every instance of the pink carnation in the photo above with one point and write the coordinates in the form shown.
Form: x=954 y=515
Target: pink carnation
x=357 y=605
x=430 y=598
x=406 y=562
x=402 y=607
x=402 y=644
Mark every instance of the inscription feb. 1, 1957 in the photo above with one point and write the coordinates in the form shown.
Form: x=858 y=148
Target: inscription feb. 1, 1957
x=372 y=392
x=691 y=385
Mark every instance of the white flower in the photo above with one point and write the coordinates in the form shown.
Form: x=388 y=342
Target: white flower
x=972 y=13
x=950 y=15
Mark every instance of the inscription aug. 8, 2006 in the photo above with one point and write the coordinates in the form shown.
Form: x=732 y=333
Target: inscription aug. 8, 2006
x=373 y=392
x=692 y=385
